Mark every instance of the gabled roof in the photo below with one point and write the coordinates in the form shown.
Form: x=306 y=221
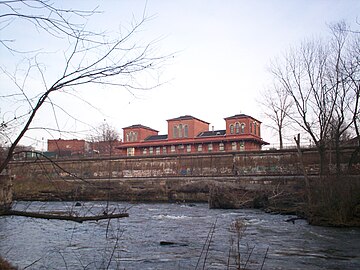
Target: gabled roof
x=211 y=133
x=140 y=126
x=156 y=138
x=186 y=117
x=241 y=115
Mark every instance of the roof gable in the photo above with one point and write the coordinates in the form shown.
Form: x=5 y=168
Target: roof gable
x=240 y=116
x=140 y=126
x=186 y=117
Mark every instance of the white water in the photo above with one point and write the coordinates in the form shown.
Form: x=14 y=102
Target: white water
x=134 y=242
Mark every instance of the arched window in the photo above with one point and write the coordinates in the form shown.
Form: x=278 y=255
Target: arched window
x=250 y=127
x=237 y=128
x=242 y=128
x=131 y=136
x=180 y=131
x=231 y=129
x=175 y=131
x=186 y=131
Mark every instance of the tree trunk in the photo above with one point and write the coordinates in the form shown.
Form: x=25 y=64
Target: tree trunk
x=306 y=178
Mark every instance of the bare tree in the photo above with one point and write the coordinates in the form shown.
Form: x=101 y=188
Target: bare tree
x=90 y=58
x=104 y=138
x=313 y=76
x=351 y=70
x=277 y=107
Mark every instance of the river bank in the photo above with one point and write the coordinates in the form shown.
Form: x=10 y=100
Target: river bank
x=4 y=265
x=334 y=203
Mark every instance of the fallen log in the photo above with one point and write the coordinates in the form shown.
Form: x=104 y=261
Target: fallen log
x=79 y=219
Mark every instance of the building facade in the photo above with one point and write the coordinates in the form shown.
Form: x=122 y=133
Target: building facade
x=68 y=147
x=188 y=134
x=75 y=147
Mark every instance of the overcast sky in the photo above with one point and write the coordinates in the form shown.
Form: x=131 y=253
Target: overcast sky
x=223 y=49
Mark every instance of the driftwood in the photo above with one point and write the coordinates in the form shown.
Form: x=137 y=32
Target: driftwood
x=78 y=219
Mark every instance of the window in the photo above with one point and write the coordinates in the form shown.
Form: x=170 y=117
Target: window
x=151 y=150
x=250 y=128
x=199 y=148
x=221 y=146
x=172 y=149
x=231 y=129
x=180 y=131
x=131 y=136
x=157 y=150
x=242 y=146
x=131 y=151
x=210 y=147
x=175 y=131
x=242 y=128
x=164 y=150
x=186 y=131
x=237 y=128
x=144 y=151
x=233 y=146
x=188 y=148
x=255 y=128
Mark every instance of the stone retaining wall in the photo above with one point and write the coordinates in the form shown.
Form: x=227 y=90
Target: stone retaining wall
x=165 y=178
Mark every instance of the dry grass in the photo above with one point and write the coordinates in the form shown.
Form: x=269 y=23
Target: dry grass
x=4 y=265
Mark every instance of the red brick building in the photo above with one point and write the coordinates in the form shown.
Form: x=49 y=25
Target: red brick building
x=187 y=134
x=76 y=147
x=68 y=147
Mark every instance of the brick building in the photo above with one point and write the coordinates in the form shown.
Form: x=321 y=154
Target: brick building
x=188 y=134
x=76 y=147
x=68 y=147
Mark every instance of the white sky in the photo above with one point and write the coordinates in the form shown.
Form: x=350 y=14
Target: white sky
x=223 y=49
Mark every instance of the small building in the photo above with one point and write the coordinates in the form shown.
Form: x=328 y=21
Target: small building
x=68 y=147
x=75 y=147
x=188 y=134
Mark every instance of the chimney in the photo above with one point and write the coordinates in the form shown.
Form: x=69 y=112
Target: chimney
x=212 y=128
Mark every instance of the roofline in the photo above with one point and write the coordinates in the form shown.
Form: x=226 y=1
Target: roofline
x=192 y=117
x=241 y=116
x=140 y=126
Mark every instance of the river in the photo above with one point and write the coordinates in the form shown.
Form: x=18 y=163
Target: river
x=173 y=236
